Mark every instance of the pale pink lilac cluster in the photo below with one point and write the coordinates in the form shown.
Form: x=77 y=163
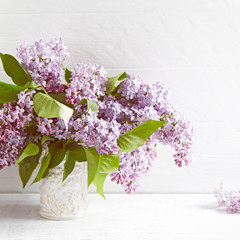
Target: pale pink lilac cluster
x=229 y=199
x=137 y=102
x=134 y=165
x=88 y=129
x=132 y=103
x=43 y=60
x=88 y=81
x=141 y=101
x=96 y=132
x=14 y=117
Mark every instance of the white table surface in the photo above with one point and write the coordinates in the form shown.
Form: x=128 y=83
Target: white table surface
x=121 y=216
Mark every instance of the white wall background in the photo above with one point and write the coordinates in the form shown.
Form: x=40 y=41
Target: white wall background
x=191 y=45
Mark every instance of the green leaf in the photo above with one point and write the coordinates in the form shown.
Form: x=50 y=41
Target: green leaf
x=57 y=151
x=44 y=164
x=92 y=158
x=112 y=81
x=76 y=151
x=90 y=105
x=60 y=97
x=30 y=150
x=46 y=107
x=68 y=75
x=32 y=85
x=8 y=92
x=134 y=138
x=46 y=173
x=46 y=138
x=15 y=70
x=27 y=166
x=108 y=163
x=69 y=165
x=99 y=182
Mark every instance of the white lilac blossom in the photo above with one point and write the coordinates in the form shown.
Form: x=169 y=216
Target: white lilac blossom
x=133 y=102
x=44 y=62
x=228 y=198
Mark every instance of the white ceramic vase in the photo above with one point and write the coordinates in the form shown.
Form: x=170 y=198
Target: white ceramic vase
x=64 y=200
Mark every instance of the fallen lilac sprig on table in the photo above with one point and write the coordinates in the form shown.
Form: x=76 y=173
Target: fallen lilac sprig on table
x=228 y=198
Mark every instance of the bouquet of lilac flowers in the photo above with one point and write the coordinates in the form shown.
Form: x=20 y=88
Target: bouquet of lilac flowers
x=112 y=123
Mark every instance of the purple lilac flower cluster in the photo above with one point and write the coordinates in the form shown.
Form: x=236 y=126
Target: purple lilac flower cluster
x=137 y=102
x=13 y=118
x=133 y=102
x=134 y=165
x=90 y=130
x=229 y=198
x=87 y=81
x=44 y=62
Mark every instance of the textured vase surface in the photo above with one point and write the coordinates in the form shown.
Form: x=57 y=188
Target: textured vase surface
x=64 y=200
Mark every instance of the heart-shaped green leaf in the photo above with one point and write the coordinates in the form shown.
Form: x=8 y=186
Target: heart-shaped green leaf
x=136 y=137
x=112 y=81
x=57 y=151
x=92 y=158
x=44 y=165
x=76 y=151
x=30 y=150
x=15 y=70
x=60 y=97
x=106 y=165
x=27 y=166
x=47 y=107
x=99 y=182
x=69 y=165
x=9 y=92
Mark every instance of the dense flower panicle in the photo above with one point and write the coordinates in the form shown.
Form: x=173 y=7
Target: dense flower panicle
x=95 y=132
x=112 y=109
x=139 y=102
x=87 y=81
x=135 y=91
x=44 y=62
x=178 y=133
x=134 y=165
x=52 y=127
x=230 y=199
x=88 y=129
x=151 y=101
x=11 y=144
x=14 y=117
